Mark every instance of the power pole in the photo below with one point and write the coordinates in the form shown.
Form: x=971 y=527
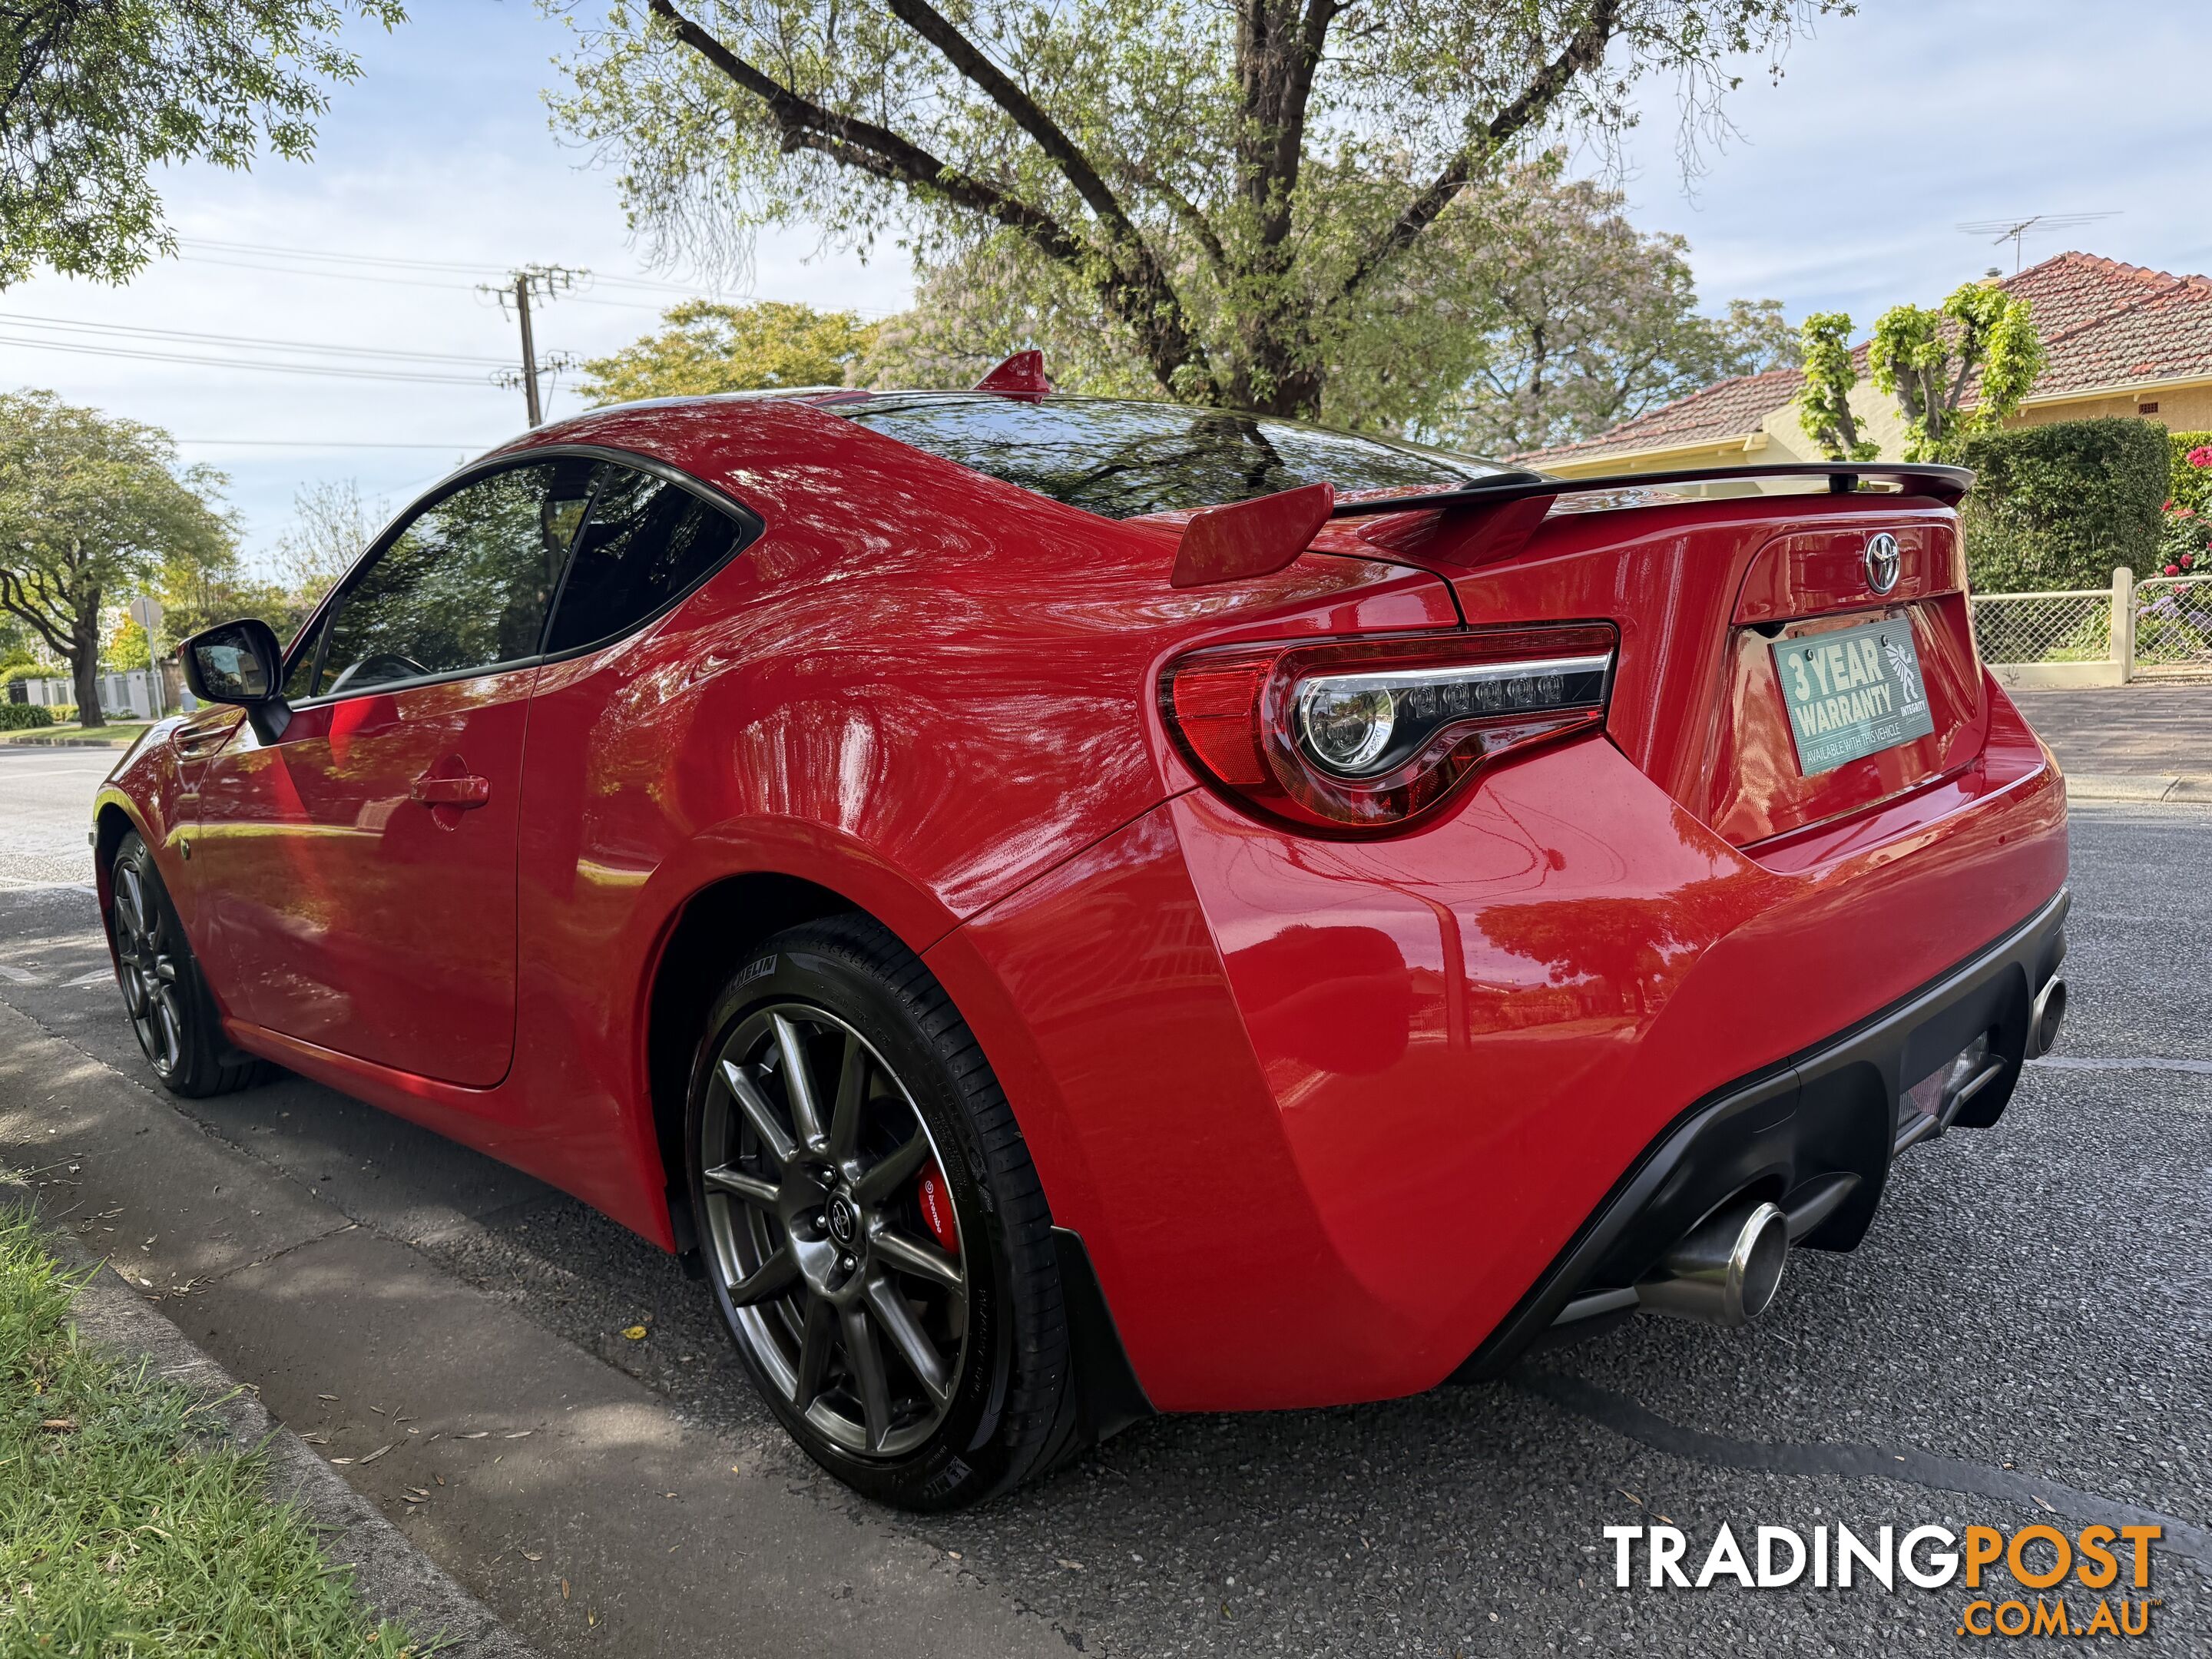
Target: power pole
x=545 y=282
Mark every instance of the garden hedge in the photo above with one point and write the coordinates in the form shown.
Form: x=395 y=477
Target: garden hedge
x=2058 y=505
x=23 y=717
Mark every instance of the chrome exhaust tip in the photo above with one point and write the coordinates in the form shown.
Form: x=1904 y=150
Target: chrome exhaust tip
x=1726 y=1271
x=2045 y=1016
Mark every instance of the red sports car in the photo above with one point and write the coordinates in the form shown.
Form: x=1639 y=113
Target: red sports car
x=1060 y=910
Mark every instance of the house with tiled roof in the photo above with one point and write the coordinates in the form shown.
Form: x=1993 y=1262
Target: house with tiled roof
x=2119 y=340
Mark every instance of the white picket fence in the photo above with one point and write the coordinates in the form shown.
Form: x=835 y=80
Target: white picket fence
x=2159 y=628
x=122 y=696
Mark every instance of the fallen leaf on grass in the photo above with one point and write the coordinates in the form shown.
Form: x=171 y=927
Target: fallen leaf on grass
x=60 y=1424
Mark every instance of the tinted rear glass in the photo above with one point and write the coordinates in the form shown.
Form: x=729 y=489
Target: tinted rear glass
x=1120 y=459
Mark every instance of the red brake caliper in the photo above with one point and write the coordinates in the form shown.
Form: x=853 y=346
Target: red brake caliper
x=936 y=1210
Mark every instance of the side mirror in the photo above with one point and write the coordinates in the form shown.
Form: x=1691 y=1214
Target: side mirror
x=241 y=663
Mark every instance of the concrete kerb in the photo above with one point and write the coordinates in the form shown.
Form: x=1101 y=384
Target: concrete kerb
x=2139 y=787
x=394 y=1578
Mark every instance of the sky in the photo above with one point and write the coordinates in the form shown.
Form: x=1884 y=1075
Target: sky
x=1841 y=188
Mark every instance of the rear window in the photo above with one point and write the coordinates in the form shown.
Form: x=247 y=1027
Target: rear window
x=1121 y=460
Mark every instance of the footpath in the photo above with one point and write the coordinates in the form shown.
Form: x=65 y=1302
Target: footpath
x=2143 y=742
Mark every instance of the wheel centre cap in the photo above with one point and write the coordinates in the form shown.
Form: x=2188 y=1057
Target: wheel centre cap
x=842 y=1220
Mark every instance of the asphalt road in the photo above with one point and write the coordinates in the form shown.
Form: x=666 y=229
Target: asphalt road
x=2025 y=1336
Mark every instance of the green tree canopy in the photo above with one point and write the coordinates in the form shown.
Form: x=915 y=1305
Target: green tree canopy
x=1536 y=313
x=1239 y=187
x=1980 y=344
x=95 y=97
x=704 y=345
x=92 y=508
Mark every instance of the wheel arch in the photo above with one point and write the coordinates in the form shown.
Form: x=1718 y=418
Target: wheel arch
x=112 y=820
x=709 y=932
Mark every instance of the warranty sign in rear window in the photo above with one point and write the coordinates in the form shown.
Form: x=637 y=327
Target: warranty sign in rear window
x=1853 y=692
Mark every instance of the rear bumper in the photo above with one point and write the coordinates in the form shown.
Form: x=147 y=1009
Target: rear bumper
x=1328 y=1114
x=1815 y=1135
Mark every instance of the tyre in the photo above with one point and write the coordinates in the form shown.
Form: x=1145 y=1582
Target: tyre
x=873 y=1229
x=164 y=992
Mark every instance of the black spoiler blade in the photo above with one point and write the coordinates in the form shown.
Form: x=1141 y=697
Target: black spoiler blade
x=1948 y=484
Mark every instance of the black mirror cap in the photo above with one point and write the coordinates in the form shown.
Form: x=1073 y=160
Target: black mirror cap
x=239 y=663
x=234 y=662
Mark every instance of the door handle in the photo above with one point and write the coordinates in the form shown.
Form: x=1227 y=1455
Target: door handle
x=460 y=793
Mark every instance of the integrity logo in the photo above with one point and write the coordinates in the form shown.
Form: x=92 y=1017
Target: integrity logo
x=2039 y=1557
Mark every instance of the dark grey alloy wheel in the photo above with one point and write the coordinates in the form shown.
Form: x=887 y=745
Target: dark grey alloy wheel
x=154 y=987
x=841 y=1296
x=171 y=1011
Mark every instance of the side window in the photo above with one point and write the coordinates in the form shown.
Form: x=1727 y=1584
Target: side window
x=463 y=588
x=645 y=541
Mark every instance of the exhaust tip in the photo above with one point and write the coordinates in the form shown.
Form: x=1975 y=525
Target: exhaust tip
x=1726 y=1271
x=2045 y=1016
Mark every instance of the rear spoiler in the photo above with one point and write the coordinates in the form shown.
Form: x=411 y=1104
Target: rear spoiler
x=1948 y=484
x=1266 y=533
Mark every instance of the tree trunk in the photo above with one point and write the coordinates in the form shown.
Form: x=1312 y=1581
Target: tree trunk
x=84 y=669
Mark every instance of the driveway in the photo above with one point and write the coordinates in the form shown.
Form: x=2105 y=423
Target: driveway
x=2024 y=1337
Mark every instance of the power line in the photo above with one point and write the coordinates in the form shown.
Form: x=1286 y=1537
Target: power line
x=394 y=263
x=250 y=341
x=329 y=370
x=320 y=443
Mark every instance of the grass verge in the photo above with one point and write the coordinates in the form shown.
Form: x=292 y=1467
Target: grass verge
x=130 y=1526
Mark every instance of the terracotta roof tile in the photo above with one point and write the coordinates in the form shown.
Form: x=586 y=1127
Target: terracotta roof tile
x=1727 y=409
x=2103 y=324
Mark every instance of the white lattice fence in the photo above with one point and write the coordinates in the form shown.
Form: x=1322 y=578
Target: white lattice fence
x=2173 y=623
x=2045 y=628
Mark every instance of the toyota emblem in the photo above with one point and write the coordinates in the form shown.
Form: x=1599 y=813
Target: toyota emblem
x=1883 y=561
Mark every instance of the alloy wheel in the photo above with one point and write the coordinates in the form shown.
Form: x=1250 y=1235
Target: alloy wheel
x=815 y=1165
x=152 y=975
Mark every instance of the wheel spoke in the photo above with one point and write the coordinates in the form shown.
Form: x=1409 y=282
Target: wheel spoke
x=894 y=1171
x=771 y=1279
x=814 y=1347
x=173 y=1028
x=924 y=1261
x=798 y=1087
x=758 y=1113
x=852 y=1087
x=760 y=1194
x=129 y=911
x=898 y=1320
x=866 y=1360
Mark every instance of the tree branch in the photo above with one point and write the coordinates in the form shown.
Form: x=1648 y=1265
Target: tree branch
x=11 y=598
x=1201 y=228
x=1586 y=49
x=1138 y=293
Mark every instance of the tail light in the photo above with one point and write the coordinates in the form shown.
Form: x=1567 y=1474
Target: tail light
x=1369 y=734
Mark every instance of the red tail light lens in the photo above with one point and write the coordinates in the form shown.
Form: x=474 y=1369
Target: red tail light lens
x=1371 y=734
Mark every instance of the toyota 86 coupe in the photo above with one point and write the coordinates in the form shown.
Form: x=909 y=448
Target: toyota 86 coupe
x=1059 y=910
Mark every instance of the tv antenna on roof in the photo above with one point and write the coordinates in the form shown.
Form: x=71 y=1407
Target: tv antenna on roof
x=2016 y=231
